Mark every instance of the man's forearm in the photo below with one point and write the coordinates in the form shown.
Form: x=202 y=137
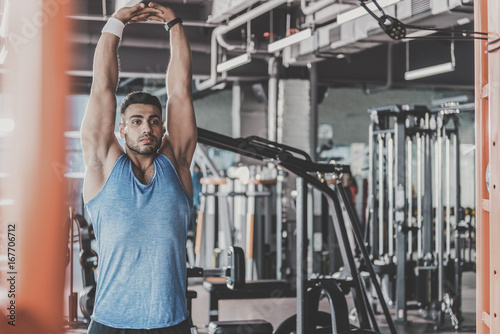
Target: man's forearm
x=179 y=76
x=105 y=71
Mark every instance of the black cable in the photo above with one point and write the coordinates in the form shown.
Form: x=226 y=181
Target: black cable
x=397 y=30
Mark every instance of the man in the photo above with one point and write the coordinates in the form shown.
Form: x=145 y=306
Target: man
x=140 y=199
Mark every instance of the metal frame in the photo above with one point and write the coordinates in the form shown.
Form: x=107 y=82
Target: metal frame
x=394 y=131
x=288 y=158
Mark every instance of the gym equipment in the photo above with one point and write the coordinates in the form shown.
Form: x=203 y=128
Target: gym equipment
x=233 y=210
x=414 y=209
x=234 y=273
x=88 y=261
x=309 y=173
x=239 y=327
x=252 y=290
x=397 y=30
x=73 y=296
x=208 y=222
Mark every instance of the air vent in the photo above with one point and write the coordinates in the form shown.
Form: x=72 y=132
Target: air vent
x=420 y=6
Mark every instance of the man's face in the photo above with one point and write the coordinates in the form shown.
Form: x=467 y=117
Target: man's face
x=142 y=129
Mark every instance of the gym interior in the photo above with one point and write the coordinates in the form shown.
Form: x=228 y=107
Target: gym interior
x=344 y=176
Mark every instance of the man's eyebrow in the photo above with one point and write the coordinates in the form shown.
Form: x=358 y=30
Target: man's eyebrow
x=154 y=116
x=136 y=116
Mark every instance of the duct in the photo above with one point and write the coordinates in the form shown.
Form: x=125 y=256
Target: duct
x=221 y=30
x=136 y=42
x=99 y=18
x=311 y=9
x=125 y=3
x=223 y=10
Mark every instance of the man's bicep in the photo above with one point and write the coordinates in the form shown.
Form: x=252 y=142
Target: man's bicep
x=181 y=126
x=98 y=126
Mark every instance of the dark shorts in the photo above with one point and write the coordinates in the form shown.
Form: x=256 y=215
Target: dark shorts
x=97 y=328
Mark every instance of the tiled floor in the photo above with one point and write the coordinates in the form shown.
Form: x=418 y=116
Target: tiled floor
x=277 y=310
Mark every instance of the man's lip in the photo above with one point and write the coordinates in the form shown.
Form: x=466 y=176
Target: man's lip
x=147 y=139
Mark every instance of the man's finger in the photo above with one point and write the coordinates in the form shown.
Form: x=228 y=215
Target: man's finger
x=146 y=11
x=154 y=5
x=156 y=18
x=138 y=7
x=142 y=15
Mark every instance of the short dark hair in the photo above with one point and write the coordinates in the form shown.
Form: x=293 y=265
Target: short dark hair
x=139 y=97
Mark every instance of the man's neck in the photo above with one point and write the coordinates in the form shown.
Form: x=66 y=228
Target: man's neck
x=140 y=161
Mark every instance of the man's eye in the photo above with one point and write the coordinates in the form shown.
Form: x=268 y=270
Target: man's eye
x=156 y=122
x=136 y=122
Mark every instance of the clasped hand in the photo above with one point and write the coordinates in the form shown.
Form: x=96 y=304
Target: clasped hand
x=142 y=13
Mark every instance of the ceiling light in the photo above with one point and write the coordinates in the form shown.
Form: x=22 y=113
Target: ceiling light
x=4 y=25
x=429 y=71
x=234 y=63
x=3 y=55
x=290 y=40
x=419 y=33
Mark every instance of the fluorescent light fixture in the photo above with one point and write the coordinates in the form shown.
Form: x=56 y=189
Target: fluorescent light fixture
x=234 y=63
x=6 y=201
x=429 y=71
x=72 y=134
x=419 y=33
x=75 y=175
x=7 y=125
x=360 y=11
x=290 y=40
x=3 y=54
x=76 y=134
x=4 y=26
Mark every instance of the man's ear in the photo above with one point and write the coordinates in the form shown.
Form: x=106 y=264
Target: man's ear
x=123 y=129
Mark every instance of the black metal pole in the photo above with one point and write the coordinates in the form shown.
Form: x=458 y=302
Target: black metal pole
x=369 y=266
x=401 y=218
x=301 y=279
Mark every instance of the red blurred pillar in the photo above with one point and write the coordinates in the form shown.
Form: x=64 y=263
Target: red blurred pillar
x=34 y=91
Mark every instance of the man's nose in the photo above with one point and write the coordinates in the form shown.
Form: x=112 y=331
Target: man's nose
x=146 y=128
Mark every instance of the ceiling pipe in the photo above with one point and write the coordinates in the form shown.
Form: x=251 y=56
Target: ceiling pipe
x=231 y=25
x=313 y=8
x=388 y=84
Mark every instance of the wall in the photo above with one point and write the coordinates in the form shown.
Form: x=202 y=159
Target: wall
x=345 y=109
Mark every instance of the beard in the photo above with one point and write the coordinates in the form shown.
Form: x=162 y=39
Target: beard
x=138 y=148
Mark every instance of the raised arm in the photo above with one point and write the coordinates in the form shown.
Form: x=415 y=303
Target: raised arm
x=97 y=131
x=99 y=144
x=180 y=140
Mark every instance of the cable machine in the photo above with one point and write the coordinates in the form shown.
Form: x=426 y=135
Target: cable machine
x=417 y=230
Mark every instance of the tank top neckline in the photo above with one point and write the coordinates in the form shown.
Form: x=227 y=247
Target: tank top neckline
x=137 y=181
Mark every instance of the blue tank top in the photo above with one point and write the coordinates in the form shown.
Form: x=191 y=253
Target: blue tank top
x=141 y=238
